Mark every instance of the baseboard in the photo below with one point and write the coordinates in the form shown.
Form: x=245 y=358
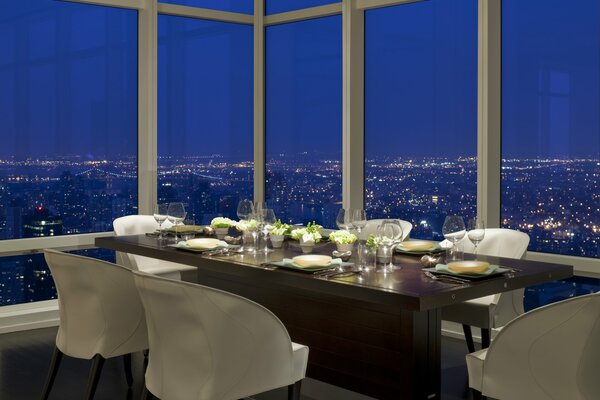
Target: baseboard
x=22 y=317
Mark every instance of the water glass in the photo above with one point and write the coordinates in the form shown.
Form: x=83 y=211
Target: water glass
x=359 y=219
x=365 y=256
x=176 y=214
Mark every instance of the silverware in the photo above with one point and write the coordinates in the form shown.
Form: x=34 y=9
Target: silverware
x=447 y=278
x=342 y=274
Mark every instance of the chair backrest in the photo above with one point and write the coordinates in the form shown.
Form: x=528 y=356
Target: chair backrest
x=135 y=225
x=552 y=352
x=372 y=224
x=499 y=242
x=508 y=243
x=99 y=307
x=210 y=344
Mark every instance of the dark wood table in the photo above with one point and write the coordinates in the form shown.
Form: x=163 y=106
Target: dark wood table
x=374 y=333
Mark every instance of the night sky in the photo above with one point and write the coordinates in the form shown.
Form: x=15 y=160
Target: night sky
x=68 y=81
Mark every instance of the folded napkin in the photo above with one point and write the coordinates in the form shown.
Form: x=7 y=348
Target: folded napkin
x=446 y=244
x=444 y=268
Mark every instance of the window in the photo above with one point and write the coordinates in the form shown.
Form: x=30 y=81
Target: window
x=27 y=278
x=551 y=125
x=238 y=6
x=279 y=6
x=205 y=115
x=421 y=113
x=68 y=118
x=304 y=120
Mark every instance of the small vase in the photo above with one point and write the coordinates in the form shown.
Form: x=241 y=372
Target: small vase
x=221 y=232
x=344 y=247
x=307 y=247
x=277 y=241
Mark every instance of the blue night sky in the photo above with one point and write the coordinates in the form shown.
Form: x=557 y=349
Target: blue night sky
x=68 y=81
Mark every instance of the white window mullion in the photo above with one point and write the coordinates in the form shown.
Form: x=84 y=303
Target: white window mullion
x=259 y=101
x=489 y=112
x=353 y=149
x=147 y=107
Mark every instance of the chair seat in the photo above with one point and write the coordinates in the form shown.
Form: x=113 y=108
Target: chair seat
x=475 y=312
x=300 y=359
x=160 y=267
x=475 y=367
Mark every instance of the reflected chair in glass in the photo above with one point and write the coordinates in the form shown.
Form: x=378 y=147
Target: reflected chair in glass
x=210 y=344
x=371 y=228
x=493 y=311
x=101 y=315
x=552 y=352
x=138 y=225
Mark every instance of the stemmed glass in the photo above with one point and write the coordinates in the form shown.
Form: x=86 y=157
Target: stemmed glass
x=160 y=216
x=389 y=235
x=344 y=219
x=176 y=214
x=359 y=219
x=266 y=219
x=476 y=231
x=245 y=209
x=453 y=230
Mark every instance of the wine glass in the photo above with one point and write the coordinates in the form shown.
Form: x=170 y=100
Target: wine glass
x=389 y=236
x=344 y=219
x=176 y=214
x=476 y=231
x=245 y=209
x=359 y=219
x=453 y=230
x=266 y=221
x=260 y=205
x=160 y=216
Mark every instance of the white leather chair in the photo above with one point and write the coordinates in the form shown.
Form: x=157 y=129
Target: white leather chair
x=496 y=310
x=101 y=315
x=209 y=344
x=552 y=352
x=372 y=224
x=137 y=225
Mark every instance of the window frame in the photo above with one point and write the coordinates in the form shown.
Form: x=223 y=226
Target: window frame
x=352 y=11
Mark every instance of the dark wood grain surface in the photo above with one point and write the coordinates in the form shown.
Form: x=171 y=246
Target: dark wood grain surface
x=374 y=333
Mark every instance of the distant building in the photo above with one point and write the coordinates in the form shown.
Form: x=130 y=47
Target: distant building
x=41 y=224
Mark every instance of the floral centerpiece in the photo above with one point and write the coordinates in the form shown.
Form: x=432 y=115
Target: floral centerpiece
x=277 y=233
x=246 y=225
x=343 y=239
x=308 y=236
x=382 y=246
x=221 y=225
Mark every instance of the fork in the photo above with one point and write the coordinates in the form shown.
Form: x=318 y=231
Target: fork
x=447 y=278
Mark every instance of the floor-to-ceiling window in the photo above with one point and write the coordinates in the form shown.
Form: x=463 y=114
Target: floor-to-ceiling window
x=421 y=113
x=304 y=120
x=205 y=139
x=68 y=123
x=551 y=124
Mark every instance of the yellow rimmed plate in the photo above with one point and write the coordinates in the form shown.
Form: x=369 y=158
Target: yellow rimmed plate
x=469 y=267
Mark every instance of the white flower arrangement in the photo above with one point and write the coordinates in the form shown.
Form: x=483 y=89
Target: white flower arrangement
x=221 y=222
x=374 y=242
x=279 y=229
x=312 y=233
x=342 y=237
x=247 y=225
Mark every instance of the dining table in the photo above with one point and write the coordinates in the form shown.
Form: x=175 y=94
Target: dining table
x=373 y=332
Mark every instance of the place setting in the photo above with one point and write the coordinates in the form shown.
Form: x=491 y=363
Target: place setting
x=453 y=267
